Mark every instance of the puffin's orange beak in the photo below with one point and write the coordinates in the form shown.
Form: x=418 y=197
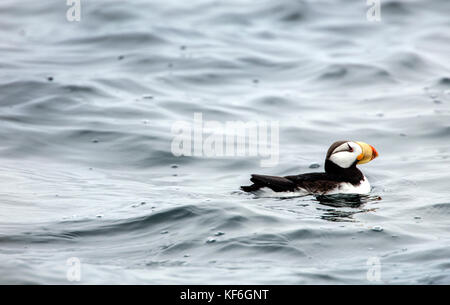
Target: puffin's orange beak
x=368 y=153
x=374 y=152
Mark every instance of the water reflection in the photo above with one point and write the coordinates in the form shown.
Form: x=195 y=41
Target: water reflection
x=344 y=206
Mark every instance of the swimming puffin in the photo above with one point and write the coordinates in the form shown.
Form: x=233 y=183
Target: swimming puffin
x=341 y=175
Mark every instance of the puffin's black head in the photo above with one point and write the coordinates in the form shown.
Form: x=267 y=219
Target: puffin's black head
x=345 y=154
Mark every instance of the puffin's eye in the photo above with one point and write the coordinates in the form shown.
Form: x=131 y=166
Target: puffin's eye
x=350 y=149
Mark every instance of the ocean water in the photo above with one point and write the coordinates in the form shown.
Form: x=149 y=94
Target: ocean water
x=89 y=180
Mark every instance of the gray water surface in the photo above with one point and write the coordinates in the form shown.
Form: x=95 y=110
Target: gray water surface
x=86 y=168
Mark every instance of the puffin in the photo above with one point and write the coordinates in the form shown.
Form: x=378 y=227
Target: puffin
x=341 y=175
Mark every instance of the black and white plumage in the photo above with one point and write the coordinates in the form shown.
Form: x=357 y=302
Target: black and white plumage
x=341 y=175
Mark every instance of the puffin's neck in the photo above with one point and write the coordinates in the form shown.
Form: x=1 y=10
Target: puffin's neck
x=351 y=174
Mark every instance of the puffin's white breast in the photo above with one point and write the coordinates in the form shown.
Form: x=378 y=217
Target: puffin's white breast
x=267 y=192
x=348 y=188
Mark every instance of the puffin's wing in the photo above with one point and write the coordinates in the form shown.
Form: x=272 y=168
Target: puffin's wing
x=277 y=184
x=317 y=183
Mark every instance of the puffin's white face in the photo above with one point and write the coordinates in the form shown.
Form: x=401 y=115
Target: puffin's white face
x=348 y=152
